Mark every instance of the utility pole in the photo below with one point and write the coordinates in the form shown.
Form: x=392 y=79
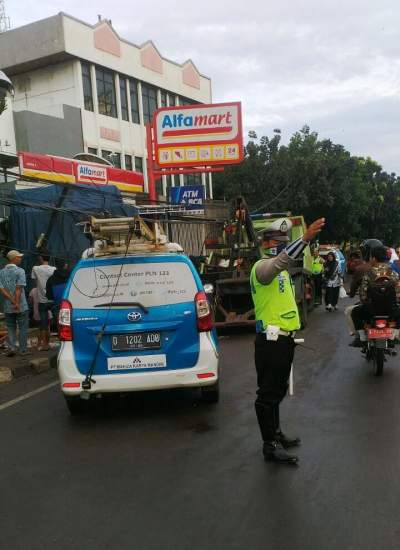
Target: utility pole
x=4 y=20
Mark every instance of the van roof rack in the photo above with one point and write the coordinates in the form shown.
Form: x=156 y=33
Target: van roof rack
x=129 y=234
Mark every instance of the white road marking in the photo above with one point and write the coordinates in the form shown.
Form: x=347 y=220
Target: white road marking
x=27 y=395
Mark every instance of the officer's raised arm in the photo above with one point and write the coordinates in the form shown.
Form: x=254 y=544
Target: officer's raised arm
x=273 y=240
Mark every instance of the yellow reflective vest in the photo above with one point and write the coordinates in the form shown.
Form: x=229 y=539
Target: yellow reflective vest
x=275 y=303
x=317 y=265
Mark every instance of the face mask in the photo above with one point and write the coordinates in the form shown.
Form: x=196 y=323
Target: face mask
x=270 y=251
x=275 y=250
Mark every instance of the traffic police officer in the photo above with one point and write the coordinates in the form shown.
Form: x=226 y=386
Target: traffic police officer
x=277 y=319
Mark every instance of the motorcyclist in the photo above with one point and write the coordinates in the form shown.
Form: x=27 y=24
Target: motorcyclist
x=365 y=248
x=380 y=272
x=359 y=272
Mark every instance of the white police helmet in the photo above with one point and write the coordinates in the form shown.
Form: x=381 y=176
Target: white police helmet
x=277 y=231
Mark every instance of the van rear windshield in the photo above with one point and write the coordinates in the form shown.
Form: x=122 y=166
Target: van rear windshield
x=151 y=284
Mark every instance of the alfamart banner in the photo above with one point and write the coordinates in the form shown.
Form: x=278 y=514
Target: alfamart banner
x=52 y=168
x=195 y=135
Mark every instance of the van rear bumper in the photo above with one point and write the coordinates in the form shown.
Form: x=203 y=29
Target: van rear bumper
x=207 y=364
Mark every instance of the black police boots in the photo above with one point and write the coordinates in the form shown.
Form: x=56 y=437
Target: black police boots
x=286 y=441
x=274 y=452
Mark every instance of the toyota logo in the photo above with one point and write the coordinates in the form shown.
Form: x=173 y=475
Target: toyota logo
x=134 y=316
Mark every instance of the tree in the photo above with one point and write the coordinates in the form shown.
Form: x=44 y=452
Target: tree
x=316 y=178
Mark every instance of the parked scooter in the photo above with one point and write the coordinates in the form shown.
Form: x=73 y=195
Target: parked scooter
x=381 y=337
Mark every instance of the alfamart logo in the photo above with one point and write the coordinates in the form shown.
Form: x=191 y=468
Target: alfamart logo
x=95 y=174
x=203 y=123
x=216 y=121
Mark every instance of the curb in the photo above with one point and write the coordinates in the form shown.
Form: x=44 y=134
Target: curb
x=34 y=366
x=6 y=375
x=40 y=365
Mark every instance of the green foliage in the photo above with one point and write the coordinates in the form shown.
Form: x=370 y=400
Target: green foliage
x=316 y=178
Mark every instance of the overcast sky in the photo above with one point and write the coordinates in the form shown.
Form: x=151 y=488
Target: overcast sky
x=334 y=65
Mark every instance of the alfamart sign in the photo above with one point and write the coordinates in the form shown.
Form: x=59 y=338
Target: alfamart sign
x=92 y=174
x=52 y=168
x=196 y=135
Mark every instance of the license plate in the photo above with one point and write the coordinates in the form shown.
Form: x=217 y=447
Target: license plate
x=136 y=340
x=380 y=333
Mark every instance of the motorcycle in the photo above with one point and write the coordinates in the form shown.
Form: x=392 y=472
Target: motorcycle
x=381 y=337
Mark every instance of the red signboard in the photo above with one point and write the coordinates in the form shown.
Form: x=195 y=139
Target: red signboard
x=61 y=169
x=198 y=135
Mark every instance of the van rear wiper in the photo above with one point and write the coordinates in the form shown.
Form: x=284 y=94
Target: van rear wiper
x=127 y=304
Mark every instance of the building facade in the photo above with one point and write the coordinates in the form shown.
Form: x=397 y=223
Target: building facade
x=80 y=88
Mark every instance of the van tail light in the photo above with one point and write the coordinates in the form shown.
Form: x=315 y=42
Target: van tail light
x=203 y=311
x=381 y=323
x=71 y=385
x=64 y=321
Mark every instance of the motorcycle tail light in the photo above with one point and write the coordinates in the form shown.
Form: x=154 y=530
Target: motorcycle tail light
x=381 y=323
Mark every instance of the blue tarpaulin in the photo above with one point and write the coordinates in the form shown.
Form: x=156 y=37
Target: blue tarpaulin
x=29 y=219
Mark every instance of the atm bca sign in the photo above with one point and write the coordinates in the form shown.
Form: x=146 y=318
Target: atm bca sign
x=198 y=135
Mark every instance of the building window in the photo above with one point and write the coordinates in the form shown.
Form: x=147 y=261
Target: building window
x=187 y=101
x=171 y=100
x=133 y=90
x=128 y=162
x=163 y=98
x=92 y=150
x=124 y=98
x=106 y=92
x=139 y=164
x=87 y=87
x=106 y=155
x=149 y=98
x=116 y=159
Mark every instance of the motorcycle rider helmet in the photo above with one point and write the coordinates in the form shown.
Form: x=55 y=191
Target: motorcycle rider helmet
x=367 y=245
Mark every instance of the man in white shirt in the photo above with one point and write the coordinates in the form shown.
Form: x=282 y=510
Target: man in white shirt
x=40 y=274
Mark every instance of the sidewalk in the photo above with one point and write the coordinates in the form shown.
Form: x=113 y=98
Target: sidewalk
x=12 y=368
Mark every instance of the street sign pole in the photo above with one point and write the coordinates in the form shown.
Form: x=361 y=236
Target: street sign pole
x=151 y=179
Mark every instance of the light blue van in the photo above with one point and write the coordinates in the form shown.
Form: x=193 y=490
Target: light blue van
x=136 y=322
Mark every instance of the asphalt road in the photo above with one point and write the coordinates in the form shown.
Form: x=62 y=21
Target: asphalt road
x=160 y=471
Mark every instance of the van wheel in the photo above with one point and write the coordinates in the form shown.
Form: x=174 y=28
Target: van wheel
x=76 y=405
x=210 y=394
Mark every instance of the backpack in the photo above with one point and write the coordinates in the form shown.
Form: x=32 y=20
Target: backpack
x=382 y=296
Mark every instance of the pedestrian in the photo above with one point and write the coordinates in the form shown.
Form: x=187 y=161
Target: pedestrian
x=333 y=282
x=16 y=311
x=317 y=270
x=277 y=320
x=41 y=273
x=56 y=284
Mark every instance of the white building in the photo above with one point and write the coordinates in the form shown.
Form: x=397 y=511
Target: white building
x=80 y=87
